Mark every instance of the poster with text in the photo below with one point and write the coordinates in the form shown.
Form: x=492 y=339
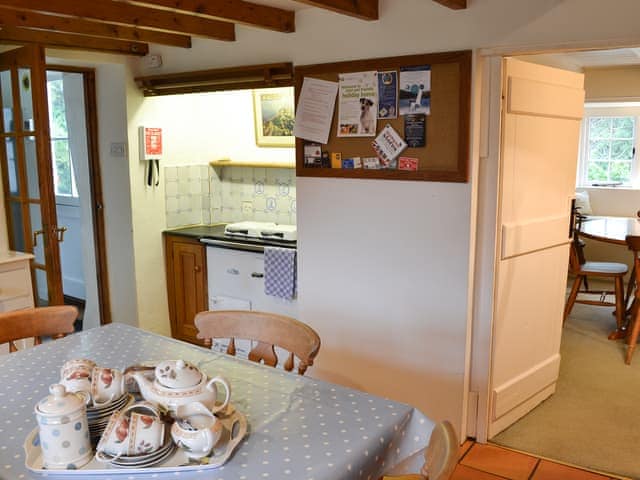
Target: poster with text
x=388 y=94
x=357 y=104
x=415 y=90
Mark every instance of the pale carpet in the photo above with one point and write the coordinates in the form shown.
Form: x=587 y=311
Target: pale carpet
x=593 y=419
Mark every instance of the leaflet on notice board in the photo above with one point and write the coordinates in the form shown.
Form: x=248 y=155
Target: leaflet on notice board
x=315 y=110
x=358 y=104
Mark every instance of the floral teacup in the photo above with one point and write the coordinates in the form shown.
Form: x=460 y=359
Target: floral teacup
x=131 y=433
x=107 y=385
x=75 y=375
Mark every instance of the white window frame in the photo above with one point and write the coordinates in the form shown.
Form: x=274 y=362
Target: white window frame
x=630 y=109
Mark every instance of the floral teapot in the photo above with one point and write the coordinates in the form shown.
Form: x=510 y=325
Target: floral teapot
x=178 y=383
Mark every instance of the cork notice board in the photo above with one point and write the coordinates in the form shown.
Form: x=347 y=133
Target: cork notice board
x=445 y=156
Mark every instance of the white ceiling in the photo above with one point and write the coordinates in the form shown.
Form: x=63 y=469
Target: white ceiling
x=588 y=59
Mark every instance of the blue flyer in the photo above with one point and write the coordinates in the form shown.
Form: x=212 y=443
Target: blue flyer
x=388 y=94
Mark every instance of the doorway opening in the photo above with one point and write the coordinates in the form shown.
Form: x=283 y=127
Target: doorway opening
x=77 y=189
x=586 y=418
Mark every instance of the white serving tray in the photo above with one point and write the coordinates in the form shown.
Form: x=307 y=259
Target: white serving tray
x=178 y=462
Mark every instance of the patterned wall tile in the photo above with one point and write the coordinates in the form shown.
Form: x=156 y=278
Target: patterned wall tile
x=201 y=194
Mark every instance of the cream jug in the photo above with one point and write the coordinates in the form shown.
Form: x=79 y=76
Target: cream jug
x=64 y=432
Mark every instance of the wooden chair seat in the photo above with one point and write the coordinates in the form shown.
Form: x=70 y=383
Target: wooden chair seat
x=440 y=456
x=269 y=330
x=36 y=323
x=603 y=269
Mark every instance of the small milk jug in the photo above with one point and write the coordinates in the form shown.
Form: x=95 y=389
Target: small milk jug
x=64 y=431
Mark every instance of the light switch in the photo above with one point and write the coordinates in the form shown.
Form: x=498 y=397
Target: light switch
x=118 y=149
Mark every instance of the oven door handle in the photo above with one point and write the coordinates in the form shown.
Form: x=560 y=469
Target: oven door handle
x=214 y=242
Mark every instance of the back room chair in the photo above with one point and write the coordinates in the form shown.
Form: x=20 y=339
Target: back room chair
x=633 y=242
x=269 y=330
x=36 y=323
x=584 y=270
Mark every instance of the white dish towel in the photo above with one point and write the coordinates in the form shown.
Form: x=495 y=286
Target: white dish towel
x=280 y=272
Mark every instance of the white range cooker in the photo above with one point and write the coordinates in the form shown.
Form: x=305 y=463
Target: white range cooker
x=235 y=265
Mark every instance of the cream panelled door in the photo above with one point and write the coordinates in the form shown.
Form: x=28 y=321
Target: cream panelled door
x=541 y=112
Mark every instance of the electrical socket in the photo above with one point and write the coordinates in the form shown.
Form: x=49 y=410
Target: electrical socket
x=247 y=207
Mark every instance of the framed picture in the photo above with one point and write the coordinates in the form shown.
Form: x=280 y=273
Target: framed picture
x=274 y=117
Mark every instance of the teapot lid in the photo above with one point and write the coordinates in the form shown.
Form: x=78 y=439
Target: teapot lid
x=60 y=401
x=177 y=374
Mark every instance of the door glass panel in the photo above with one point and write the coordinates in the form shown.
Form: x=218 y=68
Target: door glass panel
x=26 y=100
x=42 y=292
x=30 y=155
x=6 y=90
x=16 y=220
x=36 y=224
x=12 y=163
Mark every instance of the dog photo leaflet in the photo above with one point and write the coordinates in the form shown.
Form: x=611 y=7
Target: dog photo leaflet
x=357 y=104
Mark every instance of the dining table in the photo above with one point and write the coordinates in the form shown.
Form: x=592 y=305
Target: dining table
x=298 y=427
x=609 y=229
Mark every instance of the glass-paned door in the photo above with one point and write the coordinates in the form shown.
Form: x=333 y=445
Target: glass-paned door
x=26 y=168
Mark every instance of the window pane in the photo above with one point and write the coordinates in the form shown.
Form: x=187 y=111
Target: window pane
x=6 y=90
x=598 y=171
x=17 y=232
x=57 y=115
x=622 y=150
x=599 y=127
x=620 y=172
x=31 y=157
x=623 y=127
x=599 y=150
x=36 y=224
x=62 y=167
x=12 y=162
x=26 y=92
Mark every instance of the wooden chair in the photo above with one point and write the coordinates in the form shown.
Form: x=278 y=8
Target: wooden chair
x=36 y=323
x=269 y=330
x=633 y=243
x=440 y=456
x=584 y=270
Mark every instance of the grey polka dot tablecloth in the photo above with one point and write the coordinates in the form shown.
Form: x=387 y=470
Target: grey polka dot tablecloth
x=299 y=428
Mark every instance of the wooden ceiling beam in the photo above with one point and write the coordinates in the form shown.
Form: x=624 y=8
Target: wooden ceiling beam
x=55 y=23
x=71 y=41
x=363 y=9
x=453 y=4
x=132 y=15
x=237 y=11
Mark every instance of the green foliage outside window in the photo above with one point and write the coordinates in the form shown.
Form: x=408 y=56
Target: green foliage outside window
x=63 y=166
x=610 y=149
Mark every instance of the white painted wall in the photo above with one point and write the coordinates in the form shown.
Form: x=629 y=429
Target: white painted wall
x=383 y=265
x=202 y=127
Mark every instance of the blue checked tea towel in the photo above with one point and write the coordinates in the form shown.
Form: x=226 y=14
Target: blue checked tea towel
x=280 y=272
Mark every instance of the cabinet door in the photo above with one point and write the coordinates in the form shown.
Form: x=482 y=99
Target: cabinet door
x=190 y=294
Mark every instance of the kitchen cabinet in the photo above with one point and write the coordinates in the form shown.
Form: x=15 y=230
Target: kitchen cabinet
x=186 y=267
x=15 y=281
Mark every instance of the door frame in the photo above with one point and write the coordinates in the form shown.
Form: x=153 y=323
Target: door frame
x=95 y=185
x=484 y=249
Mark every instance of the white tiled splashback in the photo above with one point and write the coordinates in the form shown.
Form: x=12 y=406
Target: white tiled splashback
x=197 y=194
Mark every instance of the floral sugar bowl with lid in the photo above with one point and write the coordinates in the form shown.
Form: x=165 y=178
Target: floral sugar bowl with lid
x=64 y=431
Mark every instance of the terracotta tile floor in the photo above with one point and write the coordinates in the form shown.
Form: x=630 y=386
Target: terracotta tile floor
x=490 y=462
